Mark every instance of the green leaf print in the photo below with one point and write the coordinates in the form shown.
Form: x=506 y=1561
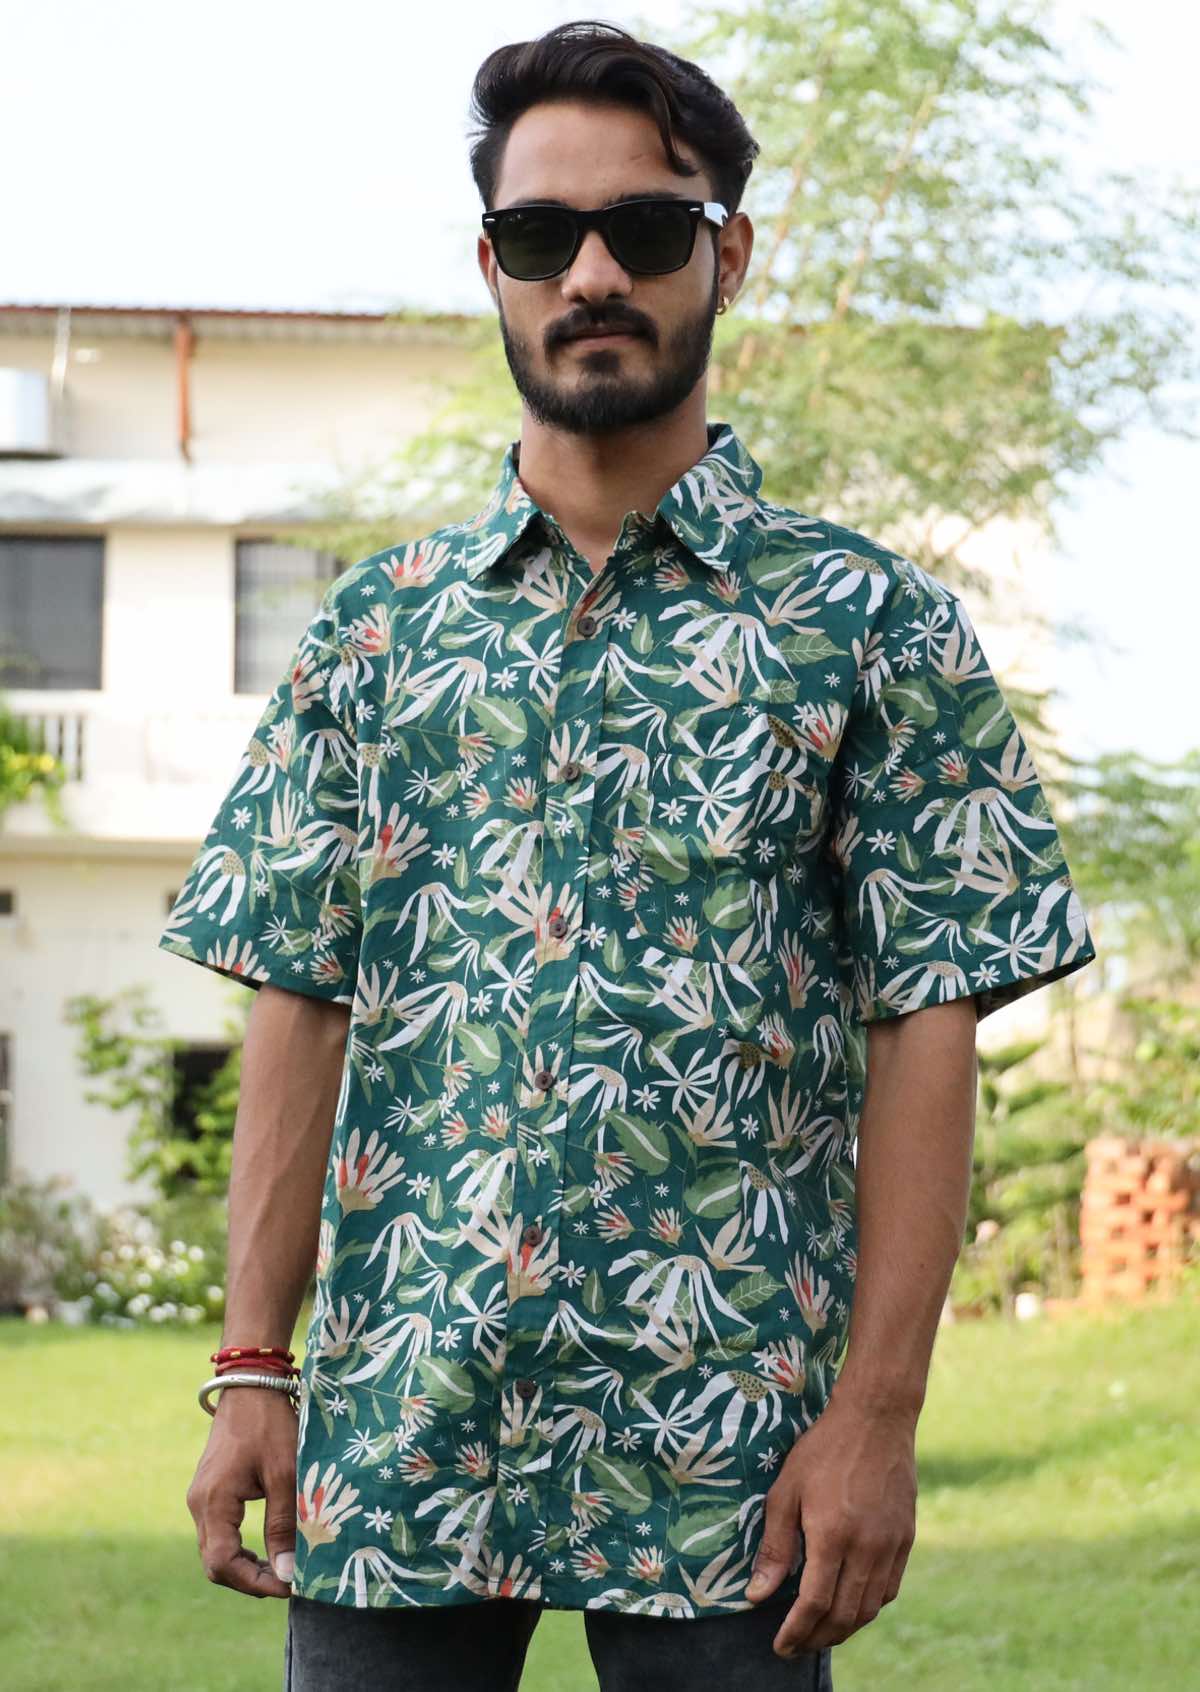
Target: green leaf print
x=717 y=1194
x=698 y=1533
x=480 y=1046
x=911 y=698
x=593 y=1293
x=666 y=856
x=729 y=904
x=810 y=646
x=753 y=1290
x=987 y=723
x=504 y=719
x=643 y=1141
x=447 y=1383
x=623 y=1480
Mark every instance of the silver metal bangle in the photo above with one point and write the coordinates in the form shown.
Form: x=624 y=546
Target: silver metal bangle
x=274 y=1383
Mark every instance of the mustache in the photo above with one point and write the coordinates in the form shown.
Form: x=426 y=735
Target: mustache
x=580 y=323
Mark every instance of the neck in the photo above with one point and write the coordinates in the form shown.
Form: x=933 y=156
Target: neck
x=589 y=482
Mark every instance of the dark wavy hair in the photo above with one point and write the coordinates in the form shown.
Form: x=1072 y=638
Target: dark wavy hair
x=599 y=61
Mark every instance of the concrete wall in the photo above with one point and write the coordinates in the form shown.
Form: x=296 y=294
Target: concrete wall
x=251 y=401
x=87 y=923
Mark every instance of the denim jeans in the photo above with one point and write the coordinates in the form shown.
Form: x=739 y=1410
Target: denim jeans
x=481 y=1647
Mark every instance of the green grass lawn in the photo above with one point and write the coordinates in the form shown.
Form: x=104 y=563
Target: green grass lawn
x=1058 y=1521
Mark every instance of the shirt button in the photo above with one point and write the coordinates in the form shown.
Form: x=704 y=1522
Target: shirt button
x=557 y=926
x=587 y=625
x=571 y=770
x=544 y=1079
x=526 y=1388
x=532 y=1234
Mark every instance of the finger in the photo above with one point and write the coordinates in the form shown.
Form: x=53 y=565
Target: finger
x=279 y=1523
x=896 y=1575
x=814 y=1600
x=776 y=1553
x=865 y=1568
x=227 y=1562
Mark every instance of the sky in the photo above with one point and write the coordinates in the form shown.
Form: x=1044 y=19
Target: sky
x=259 y=154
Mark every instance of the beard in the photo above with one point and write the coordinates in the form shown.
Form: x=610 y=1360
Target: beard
x=604 y=400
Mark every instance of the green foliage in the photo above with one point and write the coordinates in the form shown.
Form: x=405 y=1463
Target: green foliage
x=939 y=315
x=1023 y=1216
x=1156 y=1094
x=121 y=1040
x=26 y=768
x=1023 y=1210
x=1133 y=842
x=133 y=1264
x=136 y=1276
x=47 y=1238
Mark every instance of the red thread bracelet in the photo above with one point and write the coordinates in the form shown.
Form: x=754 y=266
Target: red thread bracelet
x=253 y=1352
x=266 y=1365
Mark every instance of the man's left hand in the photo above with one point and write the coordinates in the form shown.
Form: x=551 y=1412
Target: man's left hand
x=850 y=1481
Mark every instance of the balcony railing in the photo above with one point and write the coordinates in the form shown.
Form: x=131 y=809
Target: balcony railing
x=133 y=771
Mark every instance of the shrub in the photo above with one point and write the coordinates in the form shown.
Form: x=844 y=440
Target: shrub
x=47 y=1238
x=138 y=1277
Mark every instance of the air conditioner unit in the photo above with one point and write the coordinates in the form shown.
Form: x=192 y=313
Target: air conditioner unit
x=26 y=415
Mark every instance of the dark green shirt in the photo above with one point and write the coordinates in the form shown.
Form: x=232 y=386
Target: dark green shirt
x=612 y=869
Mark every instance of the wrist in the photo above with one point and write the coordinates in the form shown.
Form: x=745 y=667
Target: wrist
x=892 y=1400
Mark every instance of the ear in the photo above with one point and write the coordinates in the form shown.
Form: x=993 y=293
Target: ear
x=488 y=266
x=735 y=245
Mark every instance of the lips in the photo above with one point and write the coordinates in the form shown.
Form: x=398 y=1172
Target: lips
x=601 y=334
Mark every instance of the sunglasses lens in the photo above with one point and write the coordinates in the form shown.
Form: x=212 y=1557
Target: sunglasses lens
x=651 y=238
x=532 y=244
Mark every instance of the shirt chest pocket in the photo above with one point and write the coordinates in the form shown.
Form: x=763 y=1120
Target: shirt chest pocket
x=729 y=802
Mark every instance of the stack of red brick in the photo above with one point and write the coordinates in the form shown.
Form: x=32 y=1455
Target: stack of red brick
x=1139 y=1220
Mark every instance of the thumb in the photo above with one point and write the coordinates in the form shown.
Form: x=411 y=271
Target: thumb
x=776 y=1552
x=279 y=1527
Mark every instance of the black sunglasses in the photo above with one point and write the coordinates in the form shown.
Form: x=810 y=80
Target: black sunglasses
x=648 y=237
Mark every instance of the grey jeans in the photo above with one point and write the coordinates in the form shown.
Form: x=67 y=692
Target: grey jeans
x=481 y=1647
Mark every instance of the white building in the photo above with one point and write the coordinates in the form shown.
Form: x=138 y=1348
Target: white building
x=147 y=459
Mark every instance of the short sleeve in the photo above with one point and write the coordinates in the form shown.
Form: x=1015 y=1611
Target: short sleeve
x=949 y=873
x=273 y=893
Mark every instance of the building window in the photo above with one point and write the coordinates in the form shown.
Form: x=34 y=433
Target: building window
x=51 y=610
x=197 y=1081
x=277 y=589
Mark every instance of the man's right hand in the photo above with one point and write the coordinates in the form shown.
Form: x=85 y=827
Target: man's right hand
x=251 y=1453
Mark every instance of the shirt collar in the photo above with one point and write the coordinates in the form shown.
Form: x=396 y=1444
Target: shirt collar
x=707 y=508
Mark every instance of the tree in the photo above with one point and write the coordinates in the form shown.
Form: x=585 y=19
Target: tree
x=941 y=318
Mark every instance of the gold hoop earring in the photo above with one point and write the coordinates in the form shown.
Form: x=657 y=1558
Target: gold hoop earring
x=723 y=307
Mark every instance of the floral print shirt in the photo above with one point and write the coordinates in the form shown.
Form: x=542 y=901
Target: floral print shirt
x=613 y=870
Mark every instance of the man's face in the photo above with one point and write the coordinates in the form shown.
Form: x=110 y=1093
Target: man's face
x=585 y=155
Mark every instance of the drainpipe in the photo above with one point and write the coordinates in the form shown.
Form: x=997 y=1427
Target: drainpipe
x=185 y=342
x=58 y=378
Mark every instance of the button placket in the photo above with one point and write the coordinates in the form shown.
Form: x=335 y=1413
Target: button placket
x=538 y=1182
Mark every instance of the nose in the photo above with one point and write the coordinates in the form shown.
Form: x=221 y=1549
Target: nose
x=595 y=275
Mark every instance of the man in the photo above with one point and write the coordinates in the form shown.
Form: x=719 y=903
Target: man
x=610 y=864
